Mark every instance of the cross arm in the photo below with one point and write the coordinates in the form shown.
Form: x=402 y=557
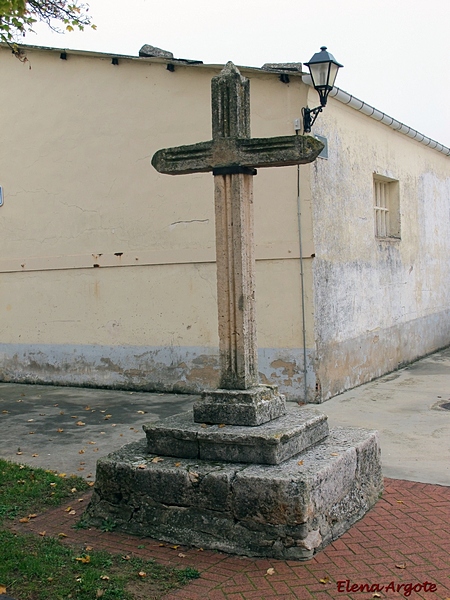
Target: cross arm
x=180 y=160
x=278 y=151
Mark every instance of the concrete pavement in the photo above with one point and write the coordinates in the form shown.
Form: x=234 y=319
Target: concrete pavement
x=69 y=428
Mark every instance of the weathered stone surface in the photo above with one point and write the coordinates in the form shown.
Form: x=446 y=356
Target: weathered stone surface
x=288 y=67
x=148 y=50
x=270 y=443
x=254 y=152
x=251 y=407
x=287 y=511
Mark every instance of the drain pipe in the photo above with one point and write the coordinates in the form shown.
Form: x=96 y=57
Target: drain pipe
x=302 y=282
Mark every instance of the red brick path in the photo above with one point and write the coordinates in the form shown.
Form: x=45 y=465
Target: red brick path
x=409 y=527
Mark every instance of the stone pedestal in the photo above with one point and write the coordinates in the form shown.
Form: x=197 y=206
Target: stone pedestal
x=250 y=407
x=289 y=508
x=269 y=444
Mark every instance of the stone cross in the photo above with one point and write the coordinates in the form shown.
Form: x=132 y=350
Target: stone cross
x=232 y=156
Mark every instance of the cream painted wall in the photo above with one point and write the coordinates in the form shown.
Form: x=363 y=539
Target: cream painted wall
x=80 y=192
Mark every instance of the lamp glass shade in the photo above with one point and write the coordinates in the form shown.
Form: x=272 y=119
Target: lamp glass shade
x=323 y=68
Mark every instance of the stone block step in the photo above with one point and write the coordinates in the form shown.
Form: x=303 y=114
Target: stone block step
x=269 y=444
x=286 y=511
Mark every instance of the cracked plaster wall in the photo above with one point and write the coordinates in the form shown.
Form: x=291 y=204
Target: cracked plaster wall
x=378 y=304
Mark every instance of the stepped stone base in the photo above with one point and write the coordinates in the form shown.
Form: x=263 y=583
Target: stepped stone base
x=269 y=444
x=287 y=511
x=251 y=407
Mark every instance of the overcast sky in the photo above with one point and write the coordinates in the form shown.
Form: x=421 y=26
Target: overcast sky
x=395 y=52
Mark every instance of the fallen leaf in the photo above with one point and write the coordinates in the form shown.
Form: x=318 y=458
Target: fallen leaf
x=204 y=425
x=334 y=454
x=53 y=484
x=99 y=593
x=73 y=490
x=92 y=442
x=62 y=475
x=90 y=475
x=157 y=459
x=300 y=462
x=87 y=408
x=34 y=455
x=80 y=500
x=82 y=463
x=96 y=449
x=104 y=577
x=400 y=502
x=325 y=580
x=181 y=555
x=141 y=466
x=193 y=477
x=30 y=420
x=141 y=412
x=49 y=578
x=60 y=430
x=270 y=571
x=91 y=483
x=62 y=535
x=24 y=520
x=177 y=464
x=61 y=412
x=161 y=545
x=21 y=466
x=221 y=425
x=113 y=425
x=81 y=451
x=73 y=512
x=200 y=550
x=19 y=453
x=401 y=566
x=89 y=548
x=5 y=412
x=33 y=516
x=80 y=423
x=31 y=433
x=2 y=589
x=80 y=469
x=42 y=414
x=175 y=547
x=376 y=595
x=142 y=574
x=42 y=533
x=103 y=411
x=127 y=557
x=68 y=509
x=84 y=559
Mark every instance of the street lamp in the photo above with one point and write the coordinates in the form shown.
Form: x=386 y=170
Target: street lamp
x=323 y=68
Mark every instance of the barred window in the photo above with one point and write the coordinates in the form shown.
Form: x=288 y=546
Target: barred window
x=386 y=207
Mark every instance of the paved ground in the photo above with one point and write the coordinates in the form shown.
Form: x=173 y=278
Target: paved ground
x=405 y=407
x=404 y=541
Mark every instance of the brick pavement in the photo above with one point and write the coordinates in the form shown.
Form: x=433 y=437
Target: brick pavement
x=405 y=540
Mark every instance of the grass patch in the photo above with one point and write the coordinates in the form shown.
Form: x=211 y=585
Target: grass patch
x=41 y=568
x=25 y=490
x=35 y=568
